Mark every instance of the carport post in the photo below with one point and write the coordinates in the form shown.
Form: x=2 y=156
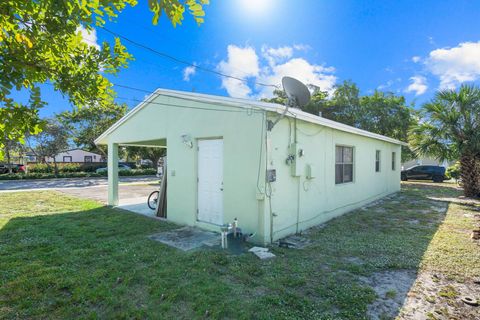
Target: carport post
x=113 y=174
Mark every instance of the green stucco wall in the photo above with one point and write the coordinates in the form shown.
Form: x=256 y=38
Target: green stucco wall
x=319 y=199
x=297 y=202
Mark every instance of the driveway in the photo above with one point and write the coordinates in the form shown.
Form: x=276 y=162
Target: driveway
x=57 y=184
x=133 y=191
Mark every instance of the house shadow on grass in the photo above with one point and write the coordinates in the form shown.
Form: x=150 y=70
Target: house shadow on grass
x=100 y=263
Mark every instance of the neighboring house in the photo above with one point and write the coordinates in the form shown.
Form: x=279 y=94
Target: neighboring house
x=224 y=163
x=426 y=161
x=30 y=157
x=77 y=156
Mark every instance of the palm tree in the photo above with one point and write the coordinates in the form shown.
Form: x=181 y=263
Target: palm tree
x=451 y=130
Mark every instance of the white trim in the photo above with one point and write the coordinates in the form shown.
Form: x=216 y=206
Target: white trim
x=248 y=104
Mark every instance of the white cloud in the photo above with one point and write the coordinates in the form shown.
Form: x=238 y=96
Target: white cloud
x=301 y=47
x=280 y=52
x=188 y=72
x=456 y=65
x=89 y=36
x=418 y=85
x=241 y=63
x=300 y=69
x=385 y=85
x=416 y=59
x=276 y=63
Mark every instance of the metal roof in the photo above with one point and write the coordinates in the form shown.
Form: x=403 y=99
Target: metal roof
x=247 y=104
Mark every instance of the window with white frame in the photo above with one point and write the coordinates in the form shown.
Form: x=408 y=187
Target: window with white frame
x=394 y=155
x=343 y=164
x=377 y=161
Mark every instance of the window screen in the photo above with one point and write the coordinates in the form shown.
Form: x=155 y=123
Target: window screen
x=343 y=164
x=393 y=160
x=377 y=161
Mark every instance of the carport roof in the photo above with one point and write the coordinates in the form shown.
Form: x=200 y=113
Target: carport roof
x=247 y=104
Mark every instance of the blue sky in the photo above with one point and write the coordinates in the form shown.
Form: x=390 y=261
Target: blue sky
x=407 y=47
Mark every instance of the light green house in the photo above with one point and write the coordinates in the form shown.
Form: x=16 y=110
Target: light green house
x=226 y=162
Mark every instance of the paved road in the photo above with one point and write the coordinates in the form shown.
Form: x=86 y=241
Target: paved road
x=70 y=183
x=127 y=193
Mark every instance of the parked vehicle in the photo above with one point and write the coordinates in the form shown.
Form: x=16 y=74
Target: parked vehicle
x=121 y=167
x=16 y=168
x=435 y=173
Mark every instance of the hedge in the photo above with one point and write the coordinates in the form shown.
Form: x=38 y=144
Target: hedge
x=69 y=167
x=20 y=176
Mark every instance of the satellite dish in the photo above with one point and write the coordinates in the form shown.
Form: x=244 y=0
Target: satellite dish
x=297 y=93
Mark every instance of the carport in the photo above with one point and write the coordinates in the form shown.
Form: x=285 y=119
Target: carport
x=112 y=161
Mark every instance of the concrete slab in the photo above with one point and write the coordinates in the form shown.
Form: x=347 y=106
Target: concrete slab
x=136 y=205
x=261 y=252
x=186 y=238
x=128 y=194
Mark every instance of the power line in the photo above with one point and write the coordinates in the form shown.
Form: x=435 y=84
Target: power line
x=252 y=106
x=239 y=106
x=168 y=56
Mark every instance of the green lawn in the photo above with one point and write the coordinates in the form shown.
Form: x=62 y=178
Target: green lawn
x=62 y=257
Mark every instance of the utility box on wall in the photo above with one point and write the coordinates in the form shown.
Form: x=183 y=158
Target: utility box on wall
x=310 y=171
x=296 y=164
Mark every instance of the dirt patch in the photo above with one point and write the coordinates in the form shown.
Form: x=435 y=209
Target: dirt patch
x=391 y=288
x=457 y=200
x=434 y=296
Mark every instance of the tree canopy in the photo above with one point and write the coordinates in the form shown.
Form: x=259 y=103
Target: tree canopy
x=51 y=141
x=86 y=124
x=41 y=42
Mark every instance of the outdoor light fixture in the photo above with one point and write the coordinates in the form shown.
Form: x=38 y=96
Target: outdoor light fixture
x=187 y=140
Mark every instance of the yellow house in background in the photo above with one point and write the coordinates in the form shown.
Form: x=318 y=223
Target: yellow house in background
x=226 y=161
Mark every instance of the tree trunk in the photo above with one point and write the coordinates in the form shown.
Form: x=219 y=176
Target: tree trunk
x=55 y=168
x=7 y=151
x=469 y=171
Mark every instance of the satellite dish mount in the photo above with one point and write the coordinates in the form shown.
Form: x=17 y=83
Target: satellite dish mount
x=298 y=96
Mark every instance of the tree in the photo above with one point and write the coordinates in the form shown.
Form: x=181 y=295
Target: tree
x=450 y=130
x=151 y=153
x=344 y=104
x=51 y=141
x=10 y=148
x=388 y=115
x=41 y=42
x=88 y=123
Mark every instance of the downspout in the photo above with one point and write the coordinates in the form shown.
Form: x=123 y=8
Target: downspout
x=295 y=140
x=268 y=186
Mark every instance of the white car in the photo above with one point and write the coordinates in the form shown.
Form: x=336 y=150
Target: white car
x=121 y=167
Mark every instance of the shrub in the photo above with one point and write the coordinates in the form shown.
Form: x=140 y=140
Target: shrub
x=51 y=175
x=38 y=175
x=453 y=171
x=69 y=167
x=65 y=167
x=39 y=168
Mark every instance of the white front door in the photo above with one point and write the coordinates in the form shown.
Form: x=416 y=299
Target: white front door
x=210 y=181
